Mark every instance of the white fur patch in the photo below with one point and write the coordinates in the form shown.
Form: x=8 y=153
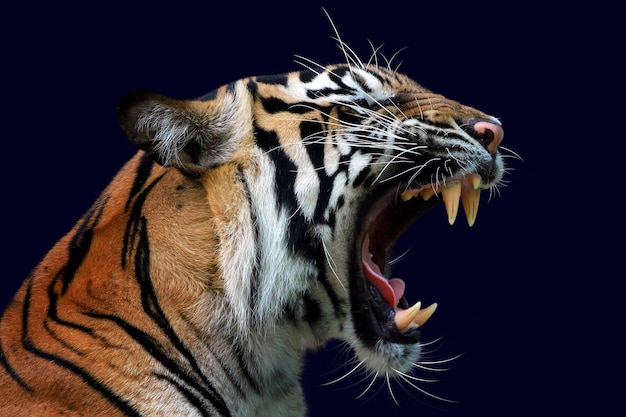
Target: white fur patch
x=331 y=158
x=358 y=162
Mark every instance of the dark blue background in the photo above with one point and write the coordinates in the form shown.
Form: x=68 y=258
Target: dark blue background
x=526 y=295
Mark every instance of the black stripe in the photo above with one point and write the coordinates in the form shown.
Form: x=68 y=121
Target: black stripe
x=275 y=105
x=306 y=76
x=312 y=310
x=12 y=373
x=192 y=397
x=61 y=340
x=7 y=366
x=153 y=310
x=80 y=243
x=209 y=96
x=29 y=345
x=142 y=173
x=134 y=219
x=278 y=79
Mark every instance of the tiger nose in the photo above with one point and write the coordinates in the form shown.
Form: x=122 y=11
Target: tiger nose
x=487 y=133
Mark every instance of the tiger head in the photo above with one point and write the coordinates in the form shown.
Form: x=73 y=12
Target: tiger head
x=314 y=176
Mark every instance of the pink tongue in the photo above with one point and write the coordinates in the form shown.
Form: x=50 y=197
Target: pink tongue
x=392 y=290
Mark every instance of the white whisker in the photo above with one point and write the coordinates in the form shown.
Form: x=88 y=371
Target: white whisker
x=331 y=264
x=347 y=374
x=431 y=366
x=409 y=380
x=394 y=56
x=374 y=56
x=417 y=168
x=393 y=159
x=399 y=257
x=512 y=153
x=388 y=380
x=415 y=378
x=350 y=56
x=368 y=386
x=320 y=68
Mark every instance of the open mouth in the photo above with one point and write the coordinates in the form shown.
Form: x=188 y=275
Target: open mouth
x=379 y=306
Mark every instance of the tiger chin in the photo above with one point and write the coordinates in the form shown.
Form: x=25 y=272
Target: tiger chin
x=254 y=224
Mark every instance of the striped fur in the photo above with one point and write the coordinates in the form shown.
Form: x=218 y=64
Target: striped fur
x=230 y=244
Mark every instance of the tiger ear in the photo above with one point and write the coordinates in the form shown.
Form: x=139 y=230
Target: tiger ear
x=191 y=135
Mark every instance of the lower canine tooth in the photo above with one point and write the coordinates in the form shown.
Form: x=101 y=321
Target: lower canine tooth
x=451 y=194
x=404 y=318
x=414 y=316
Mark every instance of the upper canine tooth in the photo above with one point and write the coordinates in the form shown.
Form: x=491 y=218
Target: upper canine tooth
x=451 y=194
x=470 y=199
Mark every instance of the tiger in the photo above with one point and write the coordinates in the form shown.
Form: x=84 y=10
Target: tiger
x=253 y=225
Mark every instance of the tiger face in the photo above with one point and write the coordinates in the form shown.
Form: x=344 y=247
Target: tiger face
x=255 y=223
x=332 y=165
